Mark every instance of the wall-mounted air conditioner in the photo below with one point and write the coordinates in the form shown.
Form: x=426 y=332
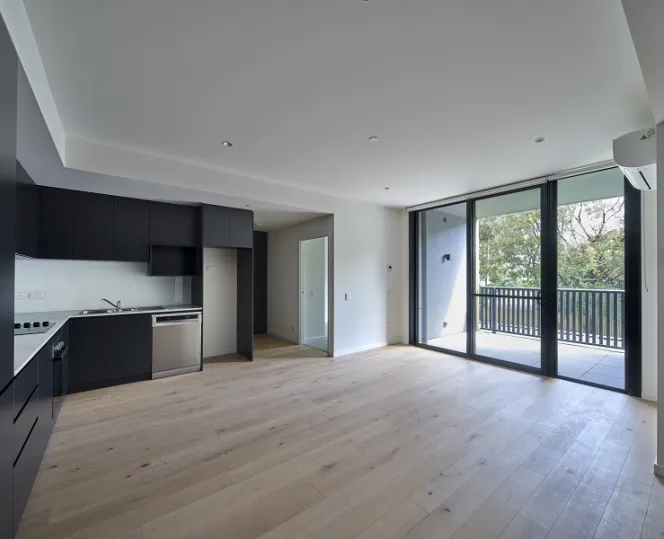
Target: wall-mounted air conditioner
x=636 y=154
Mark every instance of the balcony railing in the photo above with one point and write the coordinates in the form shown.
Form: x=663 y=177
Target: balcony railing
x=593 y=317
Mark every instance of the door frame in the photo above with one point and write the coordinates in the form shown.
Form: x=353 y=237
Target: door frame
x=300 y=292
x=549 y=310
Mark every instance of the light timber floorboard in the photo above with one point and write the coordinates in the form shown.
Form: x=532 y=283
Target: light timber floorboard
x=392 y=443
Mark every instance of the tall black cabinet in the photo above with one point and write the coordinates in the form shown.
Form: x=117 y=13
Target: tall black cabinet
x=233 y=228
x=8 y=107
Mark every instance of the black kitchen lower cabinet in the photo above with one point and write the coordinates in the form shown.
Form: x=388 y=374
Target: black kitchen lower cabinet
x=109 y=350
x=6 y=463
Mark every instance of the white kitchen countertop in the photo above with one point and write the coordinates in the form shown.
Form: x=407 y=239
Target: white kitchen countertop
x=27 y=346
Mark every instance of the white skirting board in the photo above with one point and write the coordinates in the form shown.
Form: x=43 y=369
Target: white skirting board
x=659 y=470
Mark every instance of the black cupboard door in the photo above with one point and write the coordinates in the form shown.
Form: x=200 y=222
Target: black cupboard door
x=216 y=226
x=56 y=230
x=175 y=225
x=109 y=350
x=6 y=463
x=27 y=215
x=93 y=226
x=241 y=224
x=8 y=100
x=46 y=389
x=131 y=230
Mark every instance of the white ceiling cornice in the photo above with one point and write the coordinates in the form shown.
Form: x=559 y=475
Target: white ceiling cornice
x=645 y=18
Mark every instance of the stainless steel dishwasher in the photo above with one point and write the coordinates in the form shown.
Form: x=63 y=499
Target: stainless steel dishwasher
x=176 y=344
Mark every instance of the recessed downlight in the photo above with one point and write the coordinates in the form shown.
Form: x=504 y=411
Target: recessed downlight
x=387 y=189
x=539 y=140
x=227 y=144
x=373 y=139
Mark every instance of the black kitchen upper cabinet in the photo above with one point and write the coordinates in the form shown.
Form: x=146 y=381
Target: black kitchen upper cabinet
x=172 y=224
x=93 y=226
x=6 y=463
x=241 y=224
x=27 y=214
x=109 y=350
x=166 y=260
x=131 y=230
x=216 y=226
x=56 y=230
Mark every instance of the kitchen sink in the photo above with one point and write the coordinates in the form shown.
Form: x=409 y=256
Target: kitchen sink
x=98 y=311
x=126 y=310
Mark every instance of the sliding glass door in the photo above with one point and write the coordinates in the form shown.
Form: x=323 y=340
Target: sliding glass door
x=545 y=279
x=508 y=278
x=442 y=252
x=591 y=278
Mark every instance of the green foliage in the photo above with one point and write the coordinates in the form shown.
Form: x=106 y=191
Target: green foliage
x=591 y=247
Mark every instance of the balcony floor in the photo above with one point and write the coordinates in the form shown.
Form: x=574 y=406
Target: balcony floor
x=604 y=366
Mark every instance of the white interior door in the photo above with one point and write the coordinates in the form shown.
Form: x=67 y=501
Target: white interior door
x=314 y=287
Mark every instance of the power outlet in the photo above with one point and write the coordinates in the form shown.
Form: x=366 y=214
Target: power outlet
x=21 y=295
x=36 y=295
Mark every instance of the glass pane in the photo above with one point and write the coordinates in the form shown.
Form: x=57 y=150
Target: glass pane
x=442 y=279
x=591 y=278
x=509 y=254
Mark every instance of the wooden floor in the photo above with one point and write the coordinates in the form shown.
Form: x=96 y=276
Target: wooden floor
x=386 y=444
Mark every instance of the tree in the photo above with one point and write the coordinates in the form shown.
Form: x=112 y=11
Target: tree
x=591 y=246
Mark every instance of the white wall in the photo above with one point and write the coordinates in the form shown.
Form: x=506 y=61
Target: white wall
x=364 y=241
x=649 y=297
x=220 y=302
x=660 y=299
x=283 y=283
x=314 y=283
x=367 y=240
x=74 y=284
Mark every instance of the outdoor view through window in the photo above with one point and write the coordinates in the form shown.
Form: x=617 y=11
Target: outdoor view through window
x=508 y=275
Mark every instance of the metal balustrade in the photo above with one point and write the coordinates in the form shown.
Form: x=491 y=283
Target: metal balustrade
x=585 y=316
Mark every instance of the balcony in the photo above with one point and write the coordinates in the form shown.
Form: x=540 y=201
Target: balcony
x=591 y=329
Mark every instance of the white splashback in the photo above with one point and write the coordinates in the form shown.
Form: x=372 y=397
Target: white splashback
x=73 y=284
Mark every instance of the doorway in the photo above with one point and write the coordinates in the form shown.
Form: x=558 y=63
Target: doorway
x=314 y=300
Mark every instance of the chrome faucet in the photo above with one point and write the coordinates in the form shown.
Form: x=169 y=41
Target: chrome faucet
x=117 y=307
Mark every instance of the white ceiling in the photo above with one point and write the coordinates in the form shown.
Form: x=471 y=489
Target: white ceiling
x=37 y=153
x=456 y=90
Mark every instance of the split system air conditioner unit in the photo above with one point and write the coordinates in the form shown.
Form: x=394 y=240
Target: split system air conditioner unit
x=636 y=154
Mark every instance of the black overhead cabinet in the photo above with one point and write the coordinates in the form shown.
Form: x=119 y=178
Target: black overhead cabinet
x=27 y=214
x=227 y=227
x=93 y=226
x=216 y=226
x=131 y=230
x=56 y=228
x=175 y=225
x=241 y=224
x=76 y=225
